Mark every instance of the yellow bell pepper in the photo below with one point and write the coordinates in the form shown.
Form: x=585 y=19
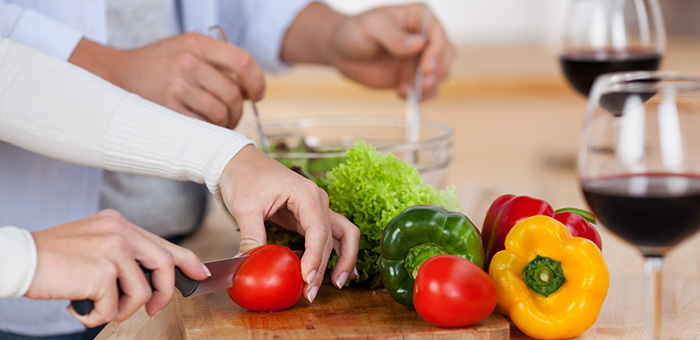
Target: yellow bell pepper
x=550 y=284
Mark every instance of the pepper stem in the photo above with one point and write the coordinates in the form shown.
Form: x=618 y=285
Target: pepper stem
x=419 y=254
x=544 y=275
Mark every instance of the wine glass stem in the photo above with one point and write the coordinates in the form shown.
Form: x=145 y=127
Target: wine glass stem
x=652 y=273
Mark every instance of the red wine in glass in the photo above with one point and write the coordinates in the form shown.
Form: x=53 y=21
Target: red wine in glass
x=583 y=66
x=652 y=211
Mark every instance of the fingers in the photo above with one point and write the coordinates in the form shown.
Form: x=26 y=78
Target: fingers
x=231 y=58
x=185 y=259
x=163 y=278
x=135 y=289
x=226 y=90
x=105 y=307
x=347 y=239
x=436 y=59
x=195 y=99
x=392 y=37
x=150 y=255
x=313 y=216
x=252 y=229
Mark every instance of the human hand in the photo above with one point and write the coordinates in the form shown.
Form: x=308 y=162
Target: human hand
x=255 y=188
x=377 y=48
x=191 y=73
x=86 y=258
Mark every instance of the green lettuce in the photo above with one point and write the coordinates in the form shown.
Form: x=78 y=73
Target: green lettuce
x=370 y=189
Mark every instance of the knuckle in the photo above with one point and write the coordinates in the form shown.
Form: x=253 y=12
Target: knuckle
x=107 y=272
x=241 y=209
x=192 y=39
x=142 y=295
x=177 y=86
x=246 y=62
x=115 y=243
x=167 y=260
x=186 y=62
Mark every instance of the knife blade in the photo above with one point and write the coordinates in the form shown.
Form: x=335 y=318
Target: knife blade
x=222 y=273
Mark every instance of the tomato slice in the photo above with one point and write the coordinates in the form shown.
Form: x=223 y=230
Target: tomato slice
x=268 y=280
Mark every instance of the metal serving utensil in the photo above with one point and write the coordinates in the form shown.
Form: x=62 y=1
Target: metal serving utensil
x=218 y=32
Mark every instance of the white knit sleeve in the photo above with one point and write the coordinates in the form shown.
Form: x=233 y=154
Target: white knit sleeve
x=17 y=261
x=59 y=110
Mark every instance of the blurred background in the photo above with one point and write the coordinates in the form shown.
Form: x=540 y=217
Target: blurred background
x=515 y=118
x=506 y=69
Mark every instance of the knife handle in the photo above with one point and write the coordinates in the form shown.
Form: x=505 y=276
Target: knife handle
x=184 y=284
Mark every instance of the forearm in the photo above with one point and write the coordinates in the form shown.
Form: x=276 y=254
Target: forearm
x=18 y=261
x=308 y=39
x=58 y=110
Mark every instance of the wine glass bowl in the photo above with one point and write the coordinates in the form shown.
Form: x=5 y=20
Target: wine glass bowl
x=639 y=164
x=605 y=36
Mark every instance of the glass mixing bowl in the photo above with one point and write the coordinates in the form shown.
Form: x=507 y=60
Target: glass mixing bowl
x=315 y=144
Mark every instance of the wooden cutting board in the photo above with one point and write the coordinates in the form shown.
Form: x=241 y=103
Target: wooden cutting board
x=345 y=314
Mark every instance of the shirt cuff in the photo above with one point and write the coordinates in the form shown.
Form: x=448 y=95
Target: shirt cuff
x=149 y=139
x=18 y=260
x=45 y=34
x=263 y=36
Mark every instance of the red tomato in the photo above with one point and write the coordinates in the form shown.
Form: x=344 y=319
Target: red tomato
x=451 y=291
x=269 y=279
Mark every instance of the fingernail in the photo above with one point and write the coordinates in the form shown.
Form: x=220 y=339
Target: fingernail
x=156 y=314
x=429 y=80
x=412 y=40
x=206 y=270
x=354 y=271
x=311 y=276
x=340 y=282
x=311 y=295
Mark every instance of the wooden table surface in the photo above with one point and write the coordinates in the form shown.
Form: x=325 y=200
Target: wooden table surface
x=517 y=136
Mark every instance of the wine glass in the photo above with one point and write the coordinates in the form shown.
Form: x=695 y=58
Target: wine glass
x=603 y=36
x=639 y=166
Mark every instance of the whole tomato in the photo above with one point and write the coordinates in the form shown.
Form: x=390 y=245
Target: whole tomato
x=451 y=291
x=268 y=280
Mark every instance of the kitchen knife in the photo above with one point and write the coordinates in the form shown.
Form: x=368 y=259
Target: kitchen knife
x=222 y=273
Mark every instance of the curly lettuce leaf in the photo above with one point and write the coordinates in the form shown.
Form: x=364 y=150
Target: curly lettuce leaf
x=370 y=189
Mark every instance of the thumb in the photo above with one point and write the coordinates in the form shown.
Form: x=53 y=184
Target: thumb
x=252 y=232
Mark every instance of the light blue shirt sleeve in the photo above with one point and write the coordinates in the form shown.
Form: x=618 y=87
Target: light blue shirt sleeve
x=22 y=24
x=265 y=28
x=258 y=26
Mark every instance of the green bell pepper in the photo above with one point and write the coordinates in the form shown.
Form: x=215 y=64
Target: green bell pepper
x=418 y=233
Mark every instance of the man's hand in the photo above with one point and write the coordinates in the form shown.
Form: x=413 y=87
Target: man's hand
x=85 y=259
x=377 y=48
x=255 y=188
x=192 y=74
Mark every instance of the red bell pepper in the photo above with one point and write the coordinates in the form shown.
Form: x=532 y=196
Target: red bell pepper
x=507 y=210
